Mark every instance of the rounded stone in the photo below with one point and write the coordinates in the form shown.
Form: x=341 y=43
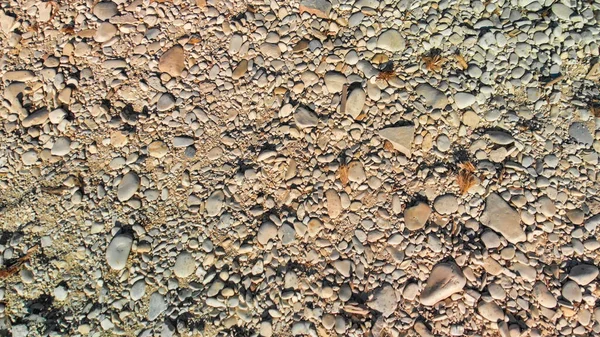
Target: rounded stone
x=446 y=204
x=118 y=251
x=185 y=265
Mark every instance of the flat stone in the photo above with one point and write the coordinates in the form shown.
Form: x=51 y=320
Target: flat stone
x=156 y=306
x=401 y=137
x=356 y=172
x=544 y=296
x=490 y=311
x=446 y=204
x=391 y=40
x=38 y=117
x=592 y=223
x=61 y=147
x=182 y=141
x=105 y=10
x=158 y=149
x=581 y=134
x=500 y=137
x=165 y=102
x=7 y=24
x=118 y=250
x=172 y=61
x=583 y=273
x=286 y=234
x=416 y=217
x=471 y=119
x=446 y=279
x=464 y=100
x=343 y=267
x=572 y=292
x=105 y=32
x=334 y=203
x=266 y=232
x=240 y=70
x=433 y=97
x=19 y=76
x=320 y=8
x=128 y=186
x=215 y=202
x=185 y=265
x=499 y=216
x=384 y=300
x=490 y=239
x=138 y=289
x=561 y=11
x=305 y=118
x=355 y=102
x=29 y=157
x=335 y=81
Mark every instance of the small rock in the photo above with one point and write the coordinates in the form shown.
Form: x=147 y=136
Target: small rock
x=105 y=10
x=138 y=289
x=215 y=202
x=118 y=250
x=105 y=32
x=572 y=292
x=446 y=204
x=305 y=118
x=464 y=100
x=61 y=147
x=266 y=232
x=240 y=70
x=39 y=117
x=356 y=172
x=128 y=186
x=561 y=11
x=401 y=137
x=384 y=300
x=172 y=61
x=355 y=102
x=391 y=40
x=581 y=133
x=544 y=296
x=334 y=81
x=165 y=102
x=157 y=149
x=500 y=137
x=156 y=306
x=416 y=217
x=433 y=97
x=583 y=274
x=490 y=311
x=320 y=8
x=185 y=265
x=334 y=203
x=499 y=216
x=343 y=267
x=446 y=279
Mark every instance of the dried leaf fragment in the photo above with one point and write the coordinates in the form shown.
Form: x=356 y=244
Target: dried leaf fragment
x=461 y=61
x=343 y=173
x=14 y=268
x=466 y=178
x=434 y=61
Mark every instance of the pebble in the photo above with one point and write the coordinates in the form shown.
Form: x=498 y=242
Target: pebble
x=464 y=100
x=384 y=300
x=165 y=102
x=105 y=10
x=158 y=149
x=433 y=97
x=499 y=216
x=61 y=147
x=583 y=274
x=320 y=8
x=215 y=203
x=38 y=117
x=335 y=81
x=561 y=11
x=572 y=292
x=334 y=203
x=128 y=186
x=391 y=40
x=118 y=250
x=355 y=102
x=156 y=306
x=446 y=204
x=415 y=217
x=138 y=290
x=445 y=279
x=544 y=296
x=172 y=61
x=185 y=265
x=580 y=133
x=490 y=311
x=266 y=232
x=105 y=32
x=401 y=138
x=305 y=118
